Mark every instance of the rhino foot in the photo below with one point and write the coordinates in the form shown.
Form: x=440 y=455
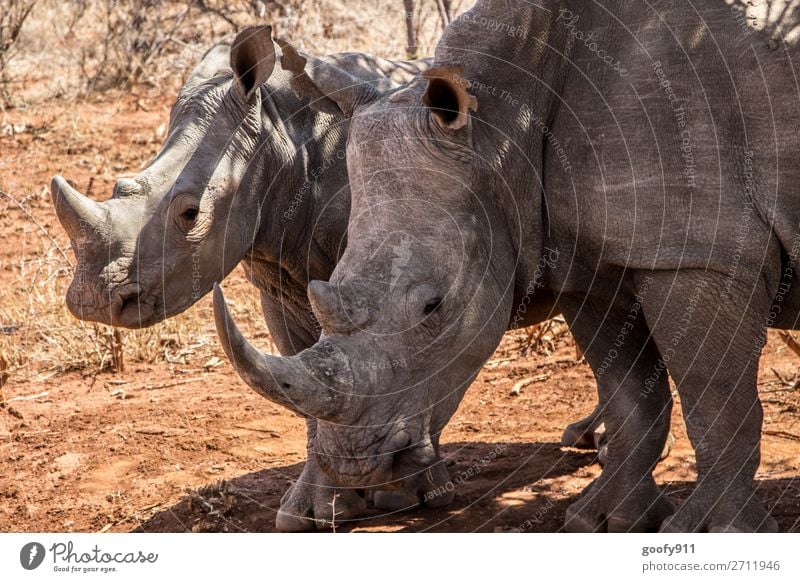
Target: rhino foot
x=433 y=488
x=721 y=512
x=313 y=502
x=605 y=506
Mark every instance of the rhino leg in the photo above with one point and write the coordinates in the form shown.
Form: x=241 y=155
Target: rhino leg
x=719 y=327
x=431 y=488
x=581 y=434
x=625 y=496
x=313 y=502
x=590 y=433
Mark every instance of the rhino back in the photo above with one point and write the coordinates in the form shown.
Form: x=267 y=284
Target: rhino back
x=677 y=161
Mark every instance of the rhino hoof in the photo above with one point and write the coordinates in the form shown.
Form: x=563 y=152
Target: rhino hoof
x=602 y=447
x=738 y=513
x=580 y=434
x=607 y=506
x=314 y=503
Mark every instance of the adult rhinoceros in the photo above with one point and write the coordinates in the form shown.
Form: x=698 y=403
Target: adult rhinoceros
x=248 y=173
x=637 y=160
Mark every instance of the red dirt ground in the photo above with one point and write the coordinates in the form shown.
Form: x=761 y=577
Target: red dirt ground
x=168 y=447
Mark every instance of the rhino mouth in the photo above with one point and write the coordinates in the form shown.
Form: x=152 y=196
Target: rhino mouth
x=132 y=308
x=128 y=306
x=387 y=464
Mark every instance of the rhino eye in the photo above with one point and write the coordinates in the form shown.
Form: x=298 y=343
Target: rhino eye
x=190 y=214
x=432 y=306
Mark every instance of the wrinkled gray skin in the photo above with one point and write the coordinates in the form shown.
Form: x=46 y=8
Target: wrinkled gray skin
x=267 y=177
x=248 y=173
x=667 y=229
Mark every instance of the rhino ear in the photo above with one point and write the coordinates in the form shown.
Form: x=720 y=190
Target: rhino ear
x=329 y=88
x=252 y=59
x=447 y=98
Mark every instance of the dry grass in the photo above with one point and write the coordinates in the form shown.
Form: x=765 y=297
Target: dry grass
x=96 y=45
x=39 y=337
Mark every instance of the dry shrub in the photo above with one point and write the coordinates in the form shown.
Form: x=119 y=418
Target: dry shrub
x=13 y=14
x=97 y=45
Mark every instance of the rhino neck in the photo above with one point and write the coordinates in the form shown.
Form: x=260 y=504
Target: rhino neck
x=307 y=201
x=514 y=54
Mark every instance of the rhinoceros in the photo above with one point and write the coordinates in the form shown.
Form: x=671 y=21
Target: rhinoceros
x=638 y=163
x=248 y=173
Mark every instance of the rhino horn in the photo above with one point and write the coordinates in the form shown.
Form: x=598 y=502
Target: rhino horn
x=337 y=308
x=325 y=302
x=316 y=383
x=74 y=210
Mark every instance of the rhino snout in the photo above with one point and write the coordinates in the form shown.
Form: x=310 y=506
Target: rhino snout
x=129 y=307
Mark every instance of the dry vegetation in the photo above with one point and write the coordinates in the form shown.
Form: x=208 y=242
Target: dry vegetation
x=85 y=89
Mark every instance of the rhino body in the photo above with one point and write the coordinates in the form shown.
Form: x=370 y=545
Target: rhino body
x=636 y=162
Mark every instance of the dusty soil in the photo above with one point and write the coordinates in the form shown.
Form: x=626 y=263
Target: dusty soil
x=182 y=445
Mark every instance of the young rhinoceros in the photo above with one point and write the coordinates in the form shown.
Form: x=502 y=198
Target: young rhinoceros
x=657 y=199
x=248 y=173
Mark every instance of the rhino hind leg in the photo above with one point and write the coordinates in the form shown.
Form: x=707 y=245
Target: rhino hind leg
x=625 y=497
x=719 y=325
x=581 y=434
x=589 y=433
x=312 y=502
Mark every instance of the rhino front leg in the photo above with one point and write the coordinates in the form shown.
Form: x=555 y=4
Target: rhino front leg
x=617 y=345
x=313 y=502
x=431 y=488
x=710 y=334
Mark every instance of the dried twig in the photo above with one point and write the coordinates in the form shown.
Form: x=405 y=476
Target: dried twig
x=272 y=433
x=792 y=343
x=444 y=13
x=517 y=388
x=412 y=48
x=117 y=355
x=38 y=225
x=783 y=434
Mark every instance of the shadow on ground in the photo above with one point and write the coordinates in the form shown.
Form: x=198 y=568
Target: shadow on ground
x=519 y=490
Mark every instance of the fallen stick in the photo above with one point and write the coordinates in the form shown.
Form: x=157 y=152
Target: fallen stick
x=789 y=340
x=517 y=388
x=167 y=384
x=783 y=434
x=31 y=397
x=264 y=430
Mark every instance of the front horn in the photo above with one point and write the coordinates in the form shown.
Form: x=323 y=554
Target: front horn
x=317 y=382
x=74 y=210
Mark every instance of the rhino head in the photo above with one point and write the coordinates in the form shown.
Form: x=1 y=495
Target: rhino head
x=421 y=296
x=190 y=216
